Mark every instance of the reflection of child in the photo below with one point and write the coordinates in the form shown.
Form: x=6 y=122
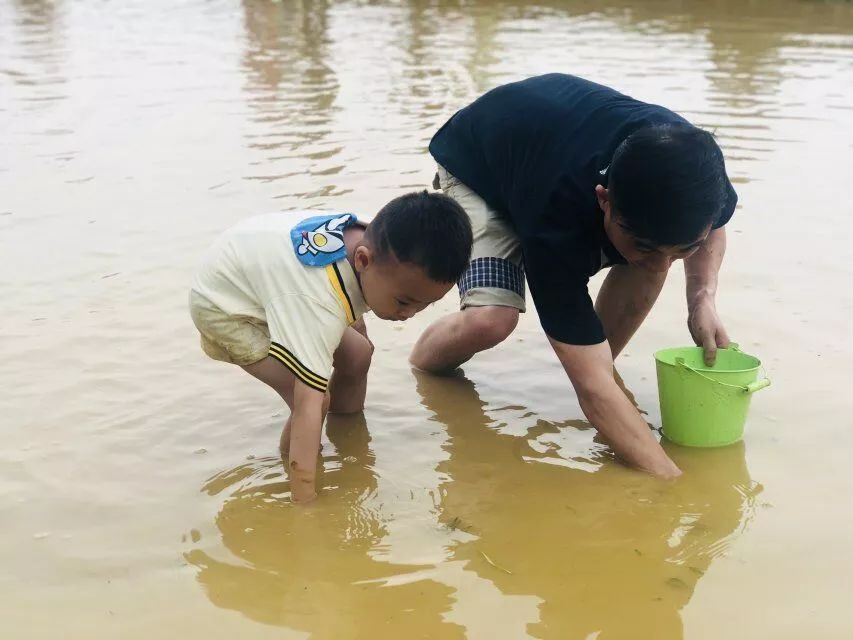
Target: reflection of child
x=282 y=295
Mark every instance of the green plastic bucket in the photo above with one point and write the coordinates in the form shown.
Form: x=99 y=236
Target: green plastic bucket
x=704 y=406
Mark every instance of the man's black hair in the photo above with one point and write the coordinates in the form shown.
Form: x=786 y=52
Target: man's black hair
x=667 y=184
x=429 y=230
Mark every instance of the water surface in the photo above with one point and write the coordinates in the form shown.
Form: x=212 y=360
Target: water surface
x=140 y=494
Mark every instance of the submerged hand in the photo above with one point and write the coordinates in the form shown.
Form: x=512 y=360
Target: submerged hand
x=301 y=488
x=707 y=329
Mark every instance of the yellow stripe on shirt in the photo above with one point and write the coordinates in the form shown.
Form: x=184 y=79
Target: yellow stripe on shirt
x=338 y=285
x=303 y=373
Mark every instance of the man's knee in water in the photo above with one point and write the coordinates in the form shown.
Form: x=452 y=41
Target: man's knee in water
x=489 y=326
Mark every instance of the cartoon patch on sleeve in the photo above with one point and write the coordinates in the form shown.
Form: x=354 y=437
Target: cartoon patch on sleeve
x=320 y=240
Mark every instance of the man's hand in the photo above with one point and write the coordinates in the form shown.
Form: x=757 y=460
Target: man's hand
x=590 y=369
x=707 y=329
x=702 y=273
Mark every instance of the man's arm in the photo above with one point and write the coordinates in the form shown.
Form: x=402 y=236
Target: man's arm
x=306 y=429
x=590 y=369
x=702 y=272
x=624 y=300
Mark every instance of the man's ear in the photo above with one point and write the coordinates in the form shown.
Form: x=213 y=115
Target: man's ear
x=603 y=198
x=362 y=258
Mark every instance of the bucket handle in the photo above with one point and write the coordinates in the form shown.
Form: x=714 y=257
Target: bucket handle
x=752 y=387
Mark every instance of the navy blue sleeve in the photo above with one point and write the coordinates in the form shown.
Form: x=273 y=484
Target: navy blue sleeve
x=556 y=268
x=729 y=208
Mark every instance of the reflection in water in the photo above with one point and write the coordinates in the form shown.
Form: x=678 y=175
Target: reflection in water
x=445 y=50
x=743 y=60
x=312 y=569
x=36 y=68
x=291 y=87
x=610 y=551
x=40 y=39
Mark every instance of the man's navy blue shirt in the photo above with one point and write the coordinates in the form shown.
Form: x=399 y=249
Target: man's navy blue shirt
x=534 y=151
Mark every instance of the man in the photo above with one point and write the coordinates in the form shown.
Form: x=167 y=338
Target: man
x=562 y=177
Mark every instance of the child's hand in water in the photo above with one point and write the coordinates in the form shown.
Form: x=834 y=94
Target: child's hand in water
x=306 y=427
x=302 y=489
x=303 y=500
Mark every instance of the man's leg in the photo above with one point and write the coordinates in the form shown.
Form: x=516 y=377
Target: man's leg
x=491 y=290
x=624 y=301
x=453 y=340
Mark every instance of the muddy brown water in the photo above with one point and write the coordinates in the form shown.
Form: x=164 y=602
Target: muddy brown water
x=140 y=495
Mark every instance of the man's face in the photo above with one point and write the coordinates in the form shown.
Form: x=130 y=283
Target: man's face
x=396 y=290
x=642 y=253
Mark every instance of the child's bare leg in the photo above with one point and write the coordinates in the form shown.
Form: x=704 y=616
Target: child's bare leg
x=348 y=385
x=273 y=374
x=284 y=441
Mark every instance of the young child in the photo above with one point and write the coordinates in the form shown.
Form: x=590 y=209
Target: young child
x=283 y=295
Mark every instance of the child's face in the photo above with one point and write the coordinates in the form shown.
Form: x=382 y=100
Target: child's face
x=395 y=290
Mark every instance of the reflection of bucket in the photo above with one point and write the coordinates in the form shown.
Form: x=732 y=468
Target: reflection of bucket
x=705 y=406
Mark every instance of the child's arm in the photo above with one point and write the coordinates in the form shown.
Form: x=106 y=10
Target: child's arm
x=306 y=429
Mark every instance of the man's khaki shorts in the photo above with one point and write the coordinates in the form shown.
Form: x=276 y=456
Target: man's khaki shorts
x=495 y=276
x=240 y=340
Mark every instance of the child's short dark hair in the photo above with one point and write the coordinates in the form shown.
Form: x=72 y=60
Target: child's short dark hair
x=667 y=183
x=429 y=230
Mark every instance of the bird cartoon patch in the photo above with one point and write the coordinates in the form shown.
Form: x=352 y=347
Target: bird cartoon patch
x=319 y=240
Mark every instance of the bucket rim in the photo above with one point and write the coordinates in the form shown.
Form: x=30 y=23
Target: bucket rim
x=694 y=445
x=704 y=368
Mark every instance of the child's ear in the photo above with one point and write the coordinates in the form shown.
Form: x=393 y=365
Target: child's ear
x=362 y=258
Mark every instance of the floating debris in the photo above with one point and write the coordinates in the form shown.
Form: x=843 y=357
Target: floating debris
x=496 y=566
x=677 y=583
x=457 y=524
